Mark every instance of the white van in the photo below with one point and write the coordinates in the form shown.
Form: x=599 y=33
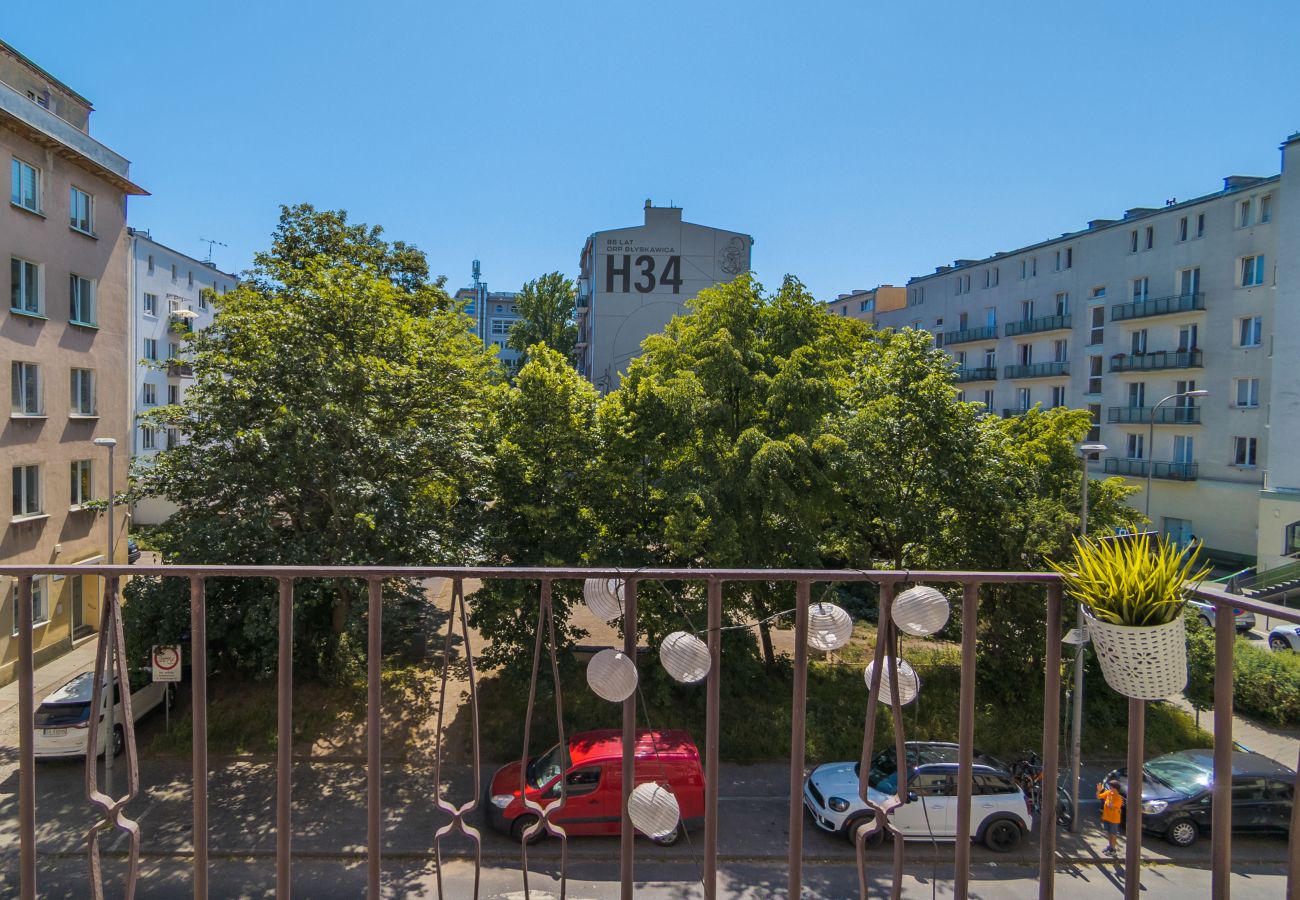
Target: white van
x=62 y=721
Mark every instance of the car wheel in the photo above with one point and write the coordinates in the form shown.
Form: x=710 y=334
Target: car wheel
x=671 y=838
x=1182 y=833
x=119 y=740
x=522 y=824
x=1002 y=836
x=1205 y=620
x=1279 y=644
x=873 y=840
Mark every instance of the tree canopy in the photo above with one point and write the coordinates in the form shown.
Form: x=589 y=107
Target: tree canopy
x=546 y=306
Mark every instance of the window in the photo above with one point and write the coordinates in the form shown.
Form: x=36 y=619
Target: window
x=1063 y=303
x=1024 y=398
x=1060 y=350
x=82 y=399
x=1252 y=271
x=1026 y=310
x=40 y=609
x=146 y=437
x=1183 y=387
x=1182 y=448
x=191 y=278
x=150 y=348
x=1141 y=287
x=990 y=317
x=82 y=482
x=1057 y=260
x=1135 y=446
x=173 y=350
x=991 y=277
x=1250 y=331
x=81 y=300
x=1150 y=237
x=1099 y=292
x=1033 y=266
x=1097 y=327
x=27 y=491
x=25 y=185
x=173 y=394
x=1139 y=341
x=25 y=379
x=1058 y=396
x=1182 y=229
x=1291 y=539
x=1200 y=225
x=1069 y=257
x=1137 y=394
x=501 y=326
x=1243 y=214
x=203 y=300
x=1026 y=354
x=1024 y=269
x=1247 y=392
x=150 y=263
x=81 y=206
x=963 y=321
x=173 y=271
x=1188 y=337
x=1265 y=209
x=173 y=438
x=24 y=286
x=1094 y=374
x=1243 y=451
x=1094 y=433
x=151 y=304
x=149 y=394
x=961 y=396
x=1189 y=282
x=988 y=401
x=1133 y=241
x=960 y=359
x=934 y=784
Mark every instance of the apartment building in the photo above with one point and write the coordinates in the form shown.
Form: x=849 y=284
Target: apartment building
x=632 y=282
x=1115 y=318
x=172 y=294
x=862 y=304
x=63 y=348
x=493 y=313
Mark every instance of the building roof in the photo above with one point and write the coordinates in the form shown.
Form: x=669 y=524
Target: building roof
x=144 y=234
x=13 y=51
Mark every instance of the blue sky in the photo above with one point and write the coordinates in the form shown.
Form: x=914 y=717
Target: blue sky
x=859 y=142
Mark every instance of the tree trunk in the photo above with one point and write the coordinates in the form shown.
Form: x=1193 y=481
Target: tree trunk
x=342 y=606
x=765 y=638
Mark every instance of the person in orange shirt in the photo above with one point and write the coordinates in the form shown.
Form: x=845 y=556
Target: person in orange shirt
x=1112 y=802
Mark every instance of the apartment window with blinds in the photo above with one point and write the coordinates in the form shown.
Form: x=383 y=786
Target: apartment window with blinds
x=27 y=491
x=82 y=399
x=81 y=210
x=25 y=185
x=81 y=300
x=82 y=482
x=1243 y=451
x=24 y=286
x=25 y=382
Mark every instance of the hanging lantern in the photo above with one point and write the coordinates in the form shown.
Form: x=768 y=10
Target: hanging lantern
x=612 y=675
x=653 y=810
x=604 y=597
x=829 y=626
x=909 y=683
x=920 y=611
x=685 y=657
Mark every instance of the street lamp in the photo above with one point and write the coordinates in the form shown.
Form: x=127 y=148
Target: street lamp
x=1086 y=450
x=111 y=444
x=1151 y=437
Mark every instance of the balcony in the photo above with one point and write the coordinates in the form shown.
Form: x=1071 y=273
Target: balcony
x=1137 y=468
x=1037 y=370
x=1012 y=413
x=1161 y=306
x=375 y=805
x=1166 y=415
x=179 y=370
x=1160 y=359
x=980 y=373
x=1042 y=323
x=966 y=335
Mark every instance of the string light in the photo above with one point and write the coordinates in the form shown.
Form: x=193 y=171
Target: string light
x=909 y=683
x=685 y=657
x=604 y=597
x=829 y=626
x=612 y=675
x=653 y=810
x=921 y=611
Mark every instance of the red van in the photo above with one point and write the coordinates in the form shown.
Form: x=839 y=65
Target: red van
x=592 y=769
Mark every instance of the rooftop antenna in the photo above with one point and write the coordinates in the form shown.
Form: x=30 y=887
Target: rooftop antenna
x=211 y=244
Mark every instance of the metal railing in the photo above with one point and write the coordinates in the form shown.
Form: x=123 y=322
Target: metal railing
x=1042 y=323
x=1037 y=370
x=1165 y=415
x=1172 y=471
x=110 y=810
x=1157 y=359
x=177 y=369
x=965 y=335
x=1160 y=306
x=977 y=373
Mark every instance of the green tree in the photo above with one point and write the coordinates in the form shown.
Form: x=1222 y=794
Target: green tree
x=334 y=419
x=546 y=305
x=545 y=455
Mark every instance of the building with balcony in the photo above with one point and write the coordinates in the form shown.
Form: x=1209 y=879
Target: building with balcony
x=862 y=304
x=494 y=313
x=63 y=349
x=1117 y=316
x=632 y=281
x=172 y=295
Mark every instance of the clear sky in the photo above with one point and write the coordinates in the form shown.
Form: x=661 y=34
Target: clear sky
x=858 y=142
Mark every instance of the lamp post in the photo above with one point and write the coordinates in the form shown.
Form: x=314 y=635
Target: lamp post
x=111 y=444
x=1076 y=738
x=1151 y=437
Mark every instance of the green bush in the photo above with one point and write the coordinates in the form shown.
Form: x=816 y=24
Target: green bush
x=1265 y=685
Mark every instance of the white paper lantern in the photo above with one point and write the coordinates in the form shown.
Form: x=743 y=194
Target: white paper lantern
x=653 y=810
x=604 y=597
x=920 y=611
x=685 y=657
x=612 y=675
x=909 y=683
x=829 y=626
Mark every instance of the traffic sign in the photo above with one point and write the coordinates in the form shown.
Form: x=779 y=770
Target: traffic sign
x=167 y=662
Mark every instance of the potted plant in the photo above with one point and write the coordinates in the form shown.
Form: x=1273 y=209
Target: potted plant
x=1133 y=592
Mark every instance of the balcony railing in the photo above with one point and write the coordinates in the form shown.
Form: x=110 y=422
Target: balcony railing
x=1159 y=359
x=1137 y=468
x=180 y=370
x=979 y=373
x=1167 y=415
x=108 y=811
x=966 y=335
x=1042 y=323
x=1160 y=306
x=1037 y=370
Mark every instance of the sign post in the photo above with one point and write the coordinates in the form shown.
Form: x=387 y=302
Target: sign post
x=167 y=668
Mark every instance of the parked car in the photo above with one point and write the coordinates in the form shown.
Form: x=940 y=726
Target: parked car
x=1244 y=620
x=1284 y=637
x=1177 y=794
x=132 y=551
x=1000 y=814
x=62 y=721
x=591 y=768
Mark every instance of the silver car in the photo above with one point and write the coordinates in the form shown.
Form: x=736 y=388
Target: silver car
x=1243 y=619
x=62 y=721
x=1284 y=637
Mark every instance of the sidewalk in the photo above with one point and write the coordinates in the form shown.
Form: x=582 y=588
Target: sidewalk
x=1275 y=742
x=52 y=675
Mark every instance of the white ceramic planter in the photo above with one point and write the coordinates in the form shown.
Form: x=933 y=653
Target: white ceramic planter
x=1147 y=663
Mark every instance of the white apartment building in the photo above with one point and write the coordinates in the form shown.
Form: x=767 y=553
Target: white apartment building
x=172 y=294
x=1115 y=318
x=493 y=313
